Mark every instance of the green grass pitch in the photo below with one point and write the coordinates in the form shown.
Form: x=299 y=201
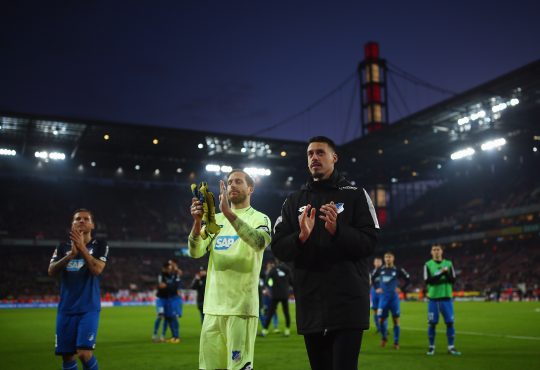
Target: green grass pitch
x=490 y=335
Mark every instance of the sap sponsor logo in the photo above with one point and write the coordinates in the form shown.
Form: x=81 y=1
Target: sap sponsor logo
x=236 y=356
x=224 y=242
x=348 y=187
x=340 y=207
x=75 y=265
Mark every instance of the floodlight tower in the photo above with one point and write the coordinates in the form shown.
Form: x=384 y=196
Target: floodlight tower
x=373 y=90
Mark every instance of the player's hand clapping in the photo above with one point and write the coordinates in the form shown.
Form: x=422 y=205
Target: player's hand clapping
x=307 y=223
x=329 y=216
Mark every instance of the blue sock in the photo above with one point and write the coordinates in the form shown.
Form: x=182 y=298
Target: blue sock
x=396 y=334
x=384 y=328
x=450 y=334
x=70 y=365
x=175 y=327
x=156 y=325
x=377 y=320
x=431 y=335
x=164 y=330
x=91 y=364
x=274 y=319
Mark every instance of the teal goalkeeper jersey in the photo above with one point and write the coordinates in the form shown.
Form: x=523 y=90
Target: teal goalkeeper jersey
x=234 y=266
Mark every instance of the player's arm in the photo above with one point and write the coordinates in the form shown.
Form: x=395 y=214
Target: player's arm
x=286 y=244
x=257 y=238
x=432 y=279
x=359 y=238
x=59 y=262
x=405 y=277
x=451 y=275
x=197 y=247
x=95 y=264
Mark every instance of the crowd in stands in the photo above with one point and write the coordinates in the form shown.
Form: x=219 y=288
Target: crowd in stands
x=498 y=267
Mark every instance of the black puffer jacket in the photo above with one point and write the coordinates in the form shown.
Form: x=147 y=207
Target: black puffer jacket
x=331 y=273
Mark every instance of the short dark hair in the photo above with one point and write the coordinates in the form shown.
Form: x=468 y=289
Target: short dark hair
x=389 y=252
x=323 y=139
x=249 y=179
x=438 y=246
x=83 y=210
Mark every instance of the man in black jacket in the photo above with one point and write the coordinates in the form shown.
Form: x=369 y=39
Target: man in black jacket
x=328 y=229
x=278 y=281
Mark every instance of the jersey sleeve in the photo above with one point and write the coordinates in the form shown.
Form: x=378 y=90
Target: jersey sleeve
x=102 y=252
x=58 y=254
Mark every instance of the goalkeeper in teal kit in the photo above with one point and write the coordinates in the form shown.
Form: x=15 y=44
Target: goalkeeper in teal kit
x=236 y=239
x=439 y=276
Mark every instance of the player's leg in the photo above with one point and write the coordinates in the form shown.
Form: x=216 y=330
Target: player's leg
x=212 y=344
x=433 y=319
x=382 y=313
x=396 y=312
x=319 y=350
x=447 y=310
x=375 y=306
x=241 y=332
x=160 y=317
x=285 y=307
x=173 y=320
x=269 y=314
x=66 y=340
x=86 y=339
x=346 y=349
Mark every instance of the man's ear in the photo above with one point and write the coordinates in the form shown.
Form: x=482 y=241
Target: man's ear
x=335 y=157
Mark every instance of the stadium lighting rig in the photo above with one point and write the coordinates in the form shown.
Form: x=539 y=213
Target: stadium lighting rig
x=55 y=156
x=8 y=152
x=482 y=116
x=493 y=144
x=464 y=153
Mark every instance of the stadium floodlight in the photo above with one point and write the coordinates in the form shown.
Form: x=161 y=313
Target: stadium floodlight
x=492 y=144
x=256 y=171
x=57 y=156
x=499 y=107
x=478 y=115
x=462 y=153
x=8 y=152
x=200 y=145
x=213 y=168
x=514 y=102
x=463 y=121
x=226 y=169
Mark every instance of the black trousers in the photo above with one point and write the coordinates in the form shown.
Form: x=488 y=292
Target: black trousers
x=337 y=350
x=272 y=310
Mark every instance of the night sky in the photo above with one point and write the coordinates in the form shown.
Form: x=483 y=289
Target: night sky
x=241 y=66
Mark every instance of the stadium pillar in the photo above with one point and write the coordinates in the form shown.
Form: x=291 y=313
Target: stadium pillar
x=373 y=90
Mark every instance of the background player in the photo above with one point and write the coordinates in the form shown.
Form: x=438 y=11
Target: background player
x=375 y=280
x=231 y=301
x=389 y=276
x=439 y=275
x=79 y=264
x=161 y=302
x=199 y=284
x=278 y=280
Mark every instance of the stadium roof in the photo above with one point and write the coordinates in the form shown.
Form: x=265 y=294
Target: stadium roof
x=507 y=107
x=416 y=147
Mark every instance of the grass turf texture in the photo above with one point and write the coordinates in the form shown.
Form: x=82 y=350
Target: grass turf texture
x=490 y=336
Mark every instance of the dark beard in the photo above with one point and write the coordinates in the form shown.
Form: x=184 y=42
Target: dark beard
x=239 y=199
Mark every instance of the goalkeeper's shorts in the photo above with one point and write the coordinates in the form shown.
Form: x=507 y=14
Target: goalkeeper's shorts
x=227 y=342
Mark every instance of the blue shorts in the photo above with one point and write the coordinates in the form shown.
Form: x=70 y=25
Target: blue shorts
x=374 y=299
x=174 y=307
x=388 y=303
x=78 y=331
x=160 y=305
x=445 y=307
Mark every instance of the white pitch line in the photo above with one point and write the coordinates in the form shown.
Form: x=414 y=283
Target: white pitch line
x=481 y=334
